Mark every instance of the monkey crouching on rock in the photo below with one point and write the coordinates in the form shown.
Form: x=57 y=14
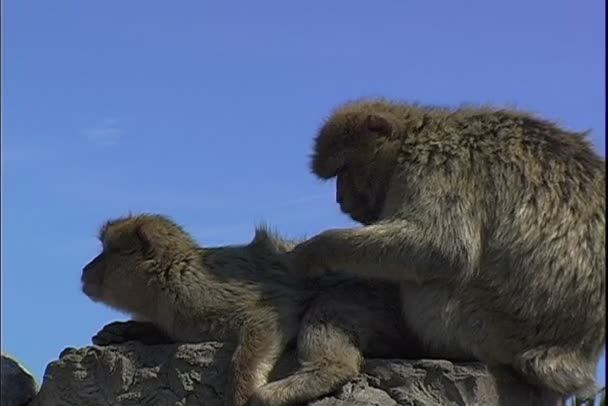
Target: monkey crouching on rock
x=494 y=222
x=178 y=291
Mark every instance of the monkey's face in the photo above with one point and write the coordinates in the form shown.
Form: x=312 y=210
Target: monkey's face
x=358 y=147
x=111 y=276
x=357 y=194
x=362 y=184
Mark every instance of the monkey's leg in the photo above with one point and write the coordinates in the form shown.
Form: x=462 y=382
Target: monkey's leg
x=329 y=353
x=261 y=343
x=122 y=331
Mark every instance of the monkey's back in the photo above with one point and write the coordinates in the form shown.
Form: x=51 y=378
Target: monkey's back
x=227 y=287
x=538 y=194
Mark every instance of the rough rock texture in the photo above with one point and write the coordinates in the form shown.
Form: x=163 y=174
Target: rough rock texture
x=194 y=374
x=18 y=384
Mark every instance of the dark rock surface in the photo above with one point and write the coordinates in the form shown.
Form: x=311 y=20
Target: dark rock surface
x=194 y=374
x=18 y=384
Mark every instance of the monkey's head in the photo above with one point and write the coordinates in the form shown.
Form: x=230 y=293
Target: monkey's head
x=359 y=146
x=136 y=252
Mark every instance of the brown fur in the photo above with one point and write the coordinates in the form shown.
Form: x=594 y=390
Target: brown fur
x=494 y=222
x=151 y=268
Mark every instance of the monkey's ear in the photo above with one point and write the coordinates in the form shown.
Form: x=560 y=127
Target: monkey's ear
x=378 y=124
x=145 y=236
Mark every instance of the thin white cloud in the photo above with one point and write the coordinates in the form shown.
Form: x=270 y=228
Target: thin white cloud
x=107 y=133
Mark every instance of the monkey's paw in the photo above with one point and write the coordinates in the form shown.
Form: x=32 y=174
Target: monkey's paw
x=278 y=393
x=307 y=259
x=263 y=397
x=119 y=332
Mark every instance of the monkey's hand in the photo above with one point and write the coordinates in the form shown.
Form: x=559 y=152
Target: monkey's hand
x=311 y=257
x=262 y=397
x=120 y=332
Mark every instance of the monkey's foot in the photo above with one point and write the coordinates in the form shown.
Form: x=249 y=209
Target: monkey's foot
x=302 y=387
x=264 y=397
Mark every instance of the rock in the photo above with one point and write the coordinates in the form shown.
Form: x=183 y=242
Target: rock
x=18 y=384
x=136 y=374
x=194 y=374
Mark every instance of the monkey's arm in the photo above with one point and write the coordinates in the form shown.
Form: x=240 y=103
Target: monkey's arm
x=261 y=343
x=398 y=250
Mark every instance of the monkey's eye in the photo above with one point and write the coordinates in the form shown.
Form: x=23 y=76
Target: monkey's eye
x=128 y=252
x=112 y=248
x=343 y=173
x=118 y=250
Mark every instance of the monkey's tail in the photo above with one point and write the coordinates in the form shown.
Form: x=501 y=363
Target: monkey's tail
x=563 y=372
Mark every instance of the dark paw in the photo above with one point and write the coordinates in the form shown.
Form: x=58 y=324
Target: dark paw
x=305 y=262
x=120 y=332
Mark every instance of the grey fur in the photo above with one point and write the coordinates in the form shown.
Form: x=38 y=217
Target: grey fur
x=153 y=270
x=492 y=219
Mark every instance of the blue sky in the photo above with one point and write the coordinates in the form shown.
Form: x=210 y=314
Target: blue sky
x=206 y=111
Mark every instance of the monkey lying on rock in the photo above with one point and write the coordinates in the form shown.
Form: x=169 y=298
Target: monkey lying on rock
x=152 y=269
x=494 y=222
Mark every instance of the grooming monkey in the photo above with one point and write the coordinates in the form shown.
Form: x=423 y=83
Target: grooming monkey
x=492 y=220
x=151 y=268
